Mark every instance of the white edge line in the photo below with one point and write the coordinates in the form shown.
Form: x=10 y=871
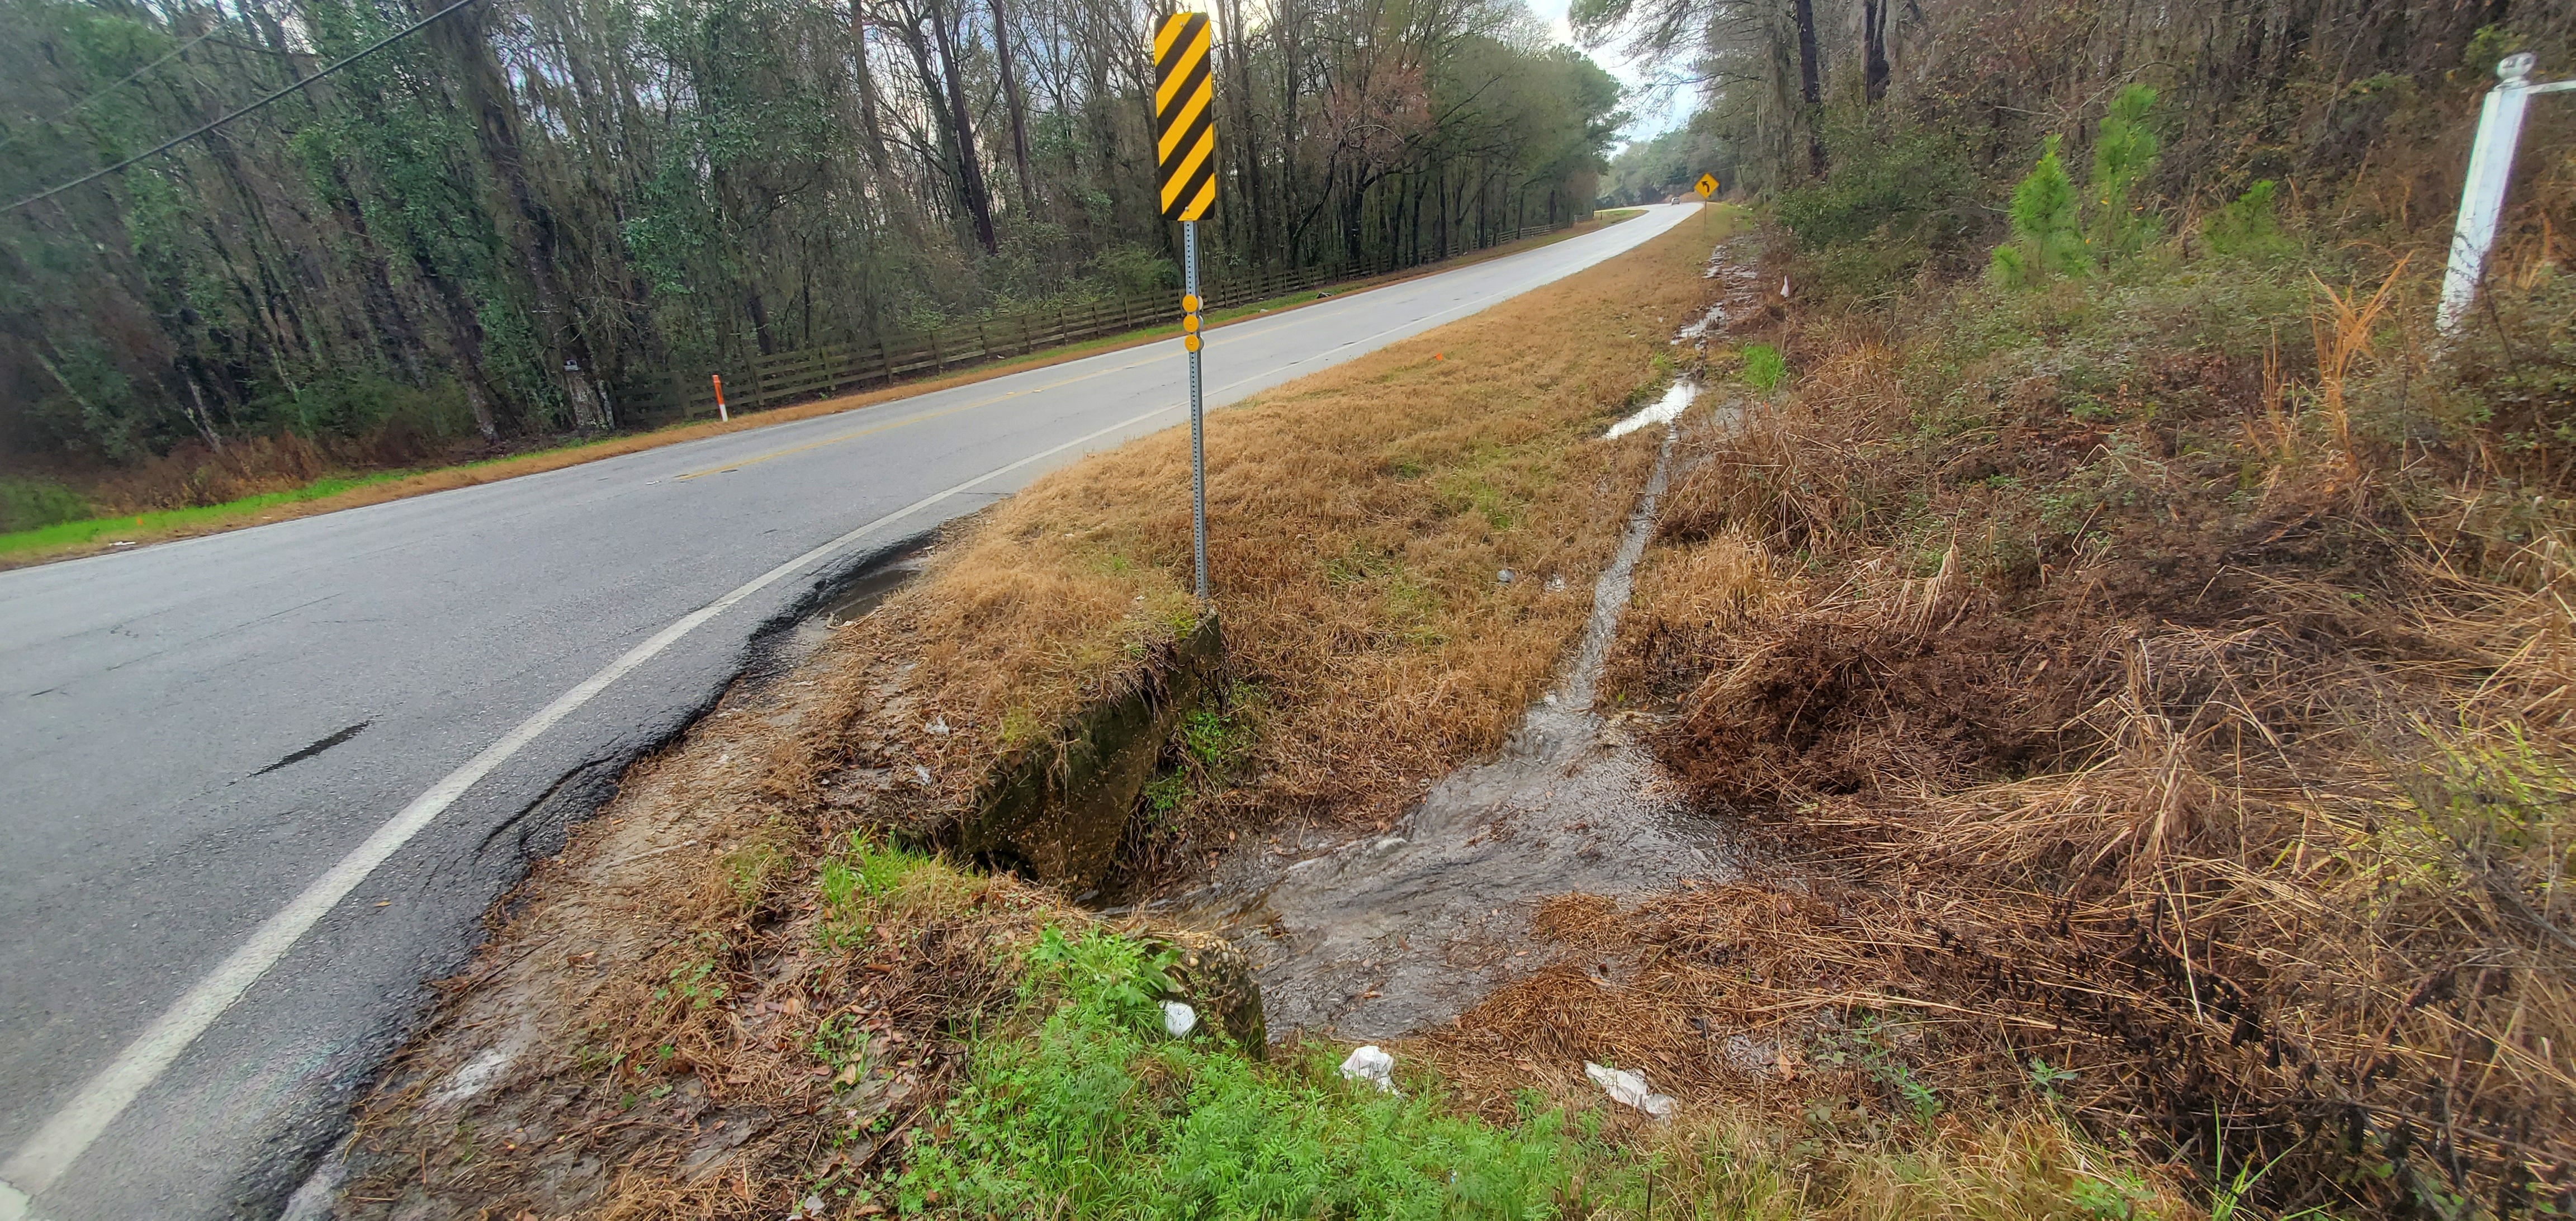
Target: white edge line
x=41 y=1162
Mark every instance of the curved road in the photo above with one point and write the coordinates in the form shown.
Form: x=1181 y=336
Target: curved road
x=260 y=786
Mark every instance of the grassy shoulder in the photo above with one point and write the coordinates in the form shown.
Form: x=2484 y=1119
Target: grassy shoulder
x=291 y=496
x=1400 y=548
x=63 y=539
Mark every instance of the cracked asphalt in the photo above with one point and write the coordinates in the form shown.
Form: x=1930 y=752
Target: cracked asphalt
x=192 y=733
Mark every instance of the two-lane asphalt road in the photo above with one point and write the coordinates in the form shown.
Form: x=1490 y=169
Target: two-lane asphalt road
x=256 y=788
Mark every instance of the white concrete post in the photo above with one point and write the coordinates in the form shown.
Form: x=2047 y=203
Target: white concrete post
x=2482 y=196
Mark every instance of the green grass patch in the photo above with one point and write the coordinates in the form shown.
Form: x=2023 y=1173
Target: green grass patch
x=1764 y=367
x=848 y=880
x=1098 y=1113
x=92 y=529
x=31 y=504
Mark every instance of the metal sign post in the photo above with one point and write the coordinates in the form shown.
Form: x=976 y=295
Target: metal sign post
x=1198 y=409
x=2482 y=196
x=1185 y=148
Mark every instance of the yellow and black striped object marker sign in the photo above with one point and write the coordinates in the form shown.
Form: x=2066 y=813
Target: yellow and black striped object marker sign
x=1185 y=116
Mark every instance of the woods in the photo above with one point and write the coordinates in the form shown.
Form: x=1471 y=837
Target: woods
x=530 y=216
x=1913 y=118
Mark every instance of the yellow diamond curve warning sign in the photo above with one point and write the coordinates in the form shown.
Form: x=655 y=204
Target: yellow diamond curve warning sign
x=1185 y=116
x=1707 y=185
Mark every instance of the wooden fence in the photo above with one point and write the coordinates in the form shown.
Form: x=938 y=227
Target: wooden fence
x=782 y=378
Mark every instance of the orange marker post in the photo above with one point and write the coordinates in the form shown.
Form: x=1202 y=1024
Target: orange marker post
x=721 y=413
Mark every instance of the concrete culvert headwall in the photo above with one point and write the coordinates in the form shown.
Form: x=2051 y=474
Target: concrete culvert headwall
x=1057 y=808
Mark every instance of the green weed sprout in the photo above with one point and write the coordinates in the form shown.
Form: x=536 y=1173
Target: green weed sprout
x=1764 y=367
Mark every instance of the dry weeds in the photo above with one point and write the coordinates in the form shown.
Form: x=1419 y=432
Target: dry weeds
x=2177 y=741
x=1359 y=525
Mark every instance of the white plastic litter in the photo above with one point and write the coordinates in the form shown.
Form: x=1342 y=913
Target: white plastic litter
x=1371 y=1065
x=1629 y=1089
x=1179 y=1019
x=1676 y=400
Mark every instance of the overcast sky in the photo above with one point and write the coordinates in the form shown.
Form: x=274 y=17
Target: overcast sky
x=1654 y=116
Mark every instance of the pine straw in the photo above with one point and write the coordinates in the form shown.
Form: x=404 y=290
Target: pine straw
x=2255 y=818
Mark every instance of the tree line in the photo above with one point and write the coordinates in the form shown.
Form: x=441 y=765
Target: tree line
x=1904 y=123
x=507 y=222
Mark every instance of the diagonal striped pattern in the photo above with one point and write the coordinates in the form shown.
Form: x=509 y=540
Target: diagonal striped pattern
x=1184 y=117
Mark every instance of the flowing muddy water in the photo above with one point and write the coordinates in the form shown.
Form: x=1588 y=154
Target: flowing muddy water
x=1373 y=937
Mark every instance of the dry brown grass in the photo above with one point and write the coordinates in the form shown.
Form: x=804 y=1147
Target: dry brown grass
x=1755 y=1006
x=2217 y=754
x=1358 y=521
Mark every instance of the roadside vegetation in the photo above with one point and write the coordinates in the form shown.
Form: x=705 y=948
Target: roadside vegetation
x=2144 y=648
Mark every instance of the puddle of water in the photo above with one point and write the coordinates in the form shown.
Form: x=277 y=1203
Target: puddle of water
x=863 y=595
x=1663 y=411
x=854 y=601
x=1742 y=296
x=1377 y=936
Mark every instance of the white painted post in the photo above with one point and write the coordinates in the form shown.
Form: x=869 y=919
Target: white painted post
x=2482 y=196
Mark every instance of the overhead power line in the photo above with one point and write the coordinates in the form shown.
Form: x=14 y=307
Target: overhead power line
x=176 y=141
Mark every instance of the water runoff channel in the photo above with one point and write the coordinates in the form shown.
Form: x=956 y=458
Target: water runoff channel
x=1390 y=932
x=1373 y=937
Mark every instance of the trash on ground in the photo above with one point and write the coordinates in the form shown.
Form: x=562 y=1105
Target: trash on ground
x=1372 y=1065
x=1630 y=1089
x=1676 y=399
x=1179 y=1019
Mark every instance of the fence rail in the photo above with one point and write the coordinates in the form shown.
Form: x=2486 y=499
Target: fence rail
x=781 y=378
